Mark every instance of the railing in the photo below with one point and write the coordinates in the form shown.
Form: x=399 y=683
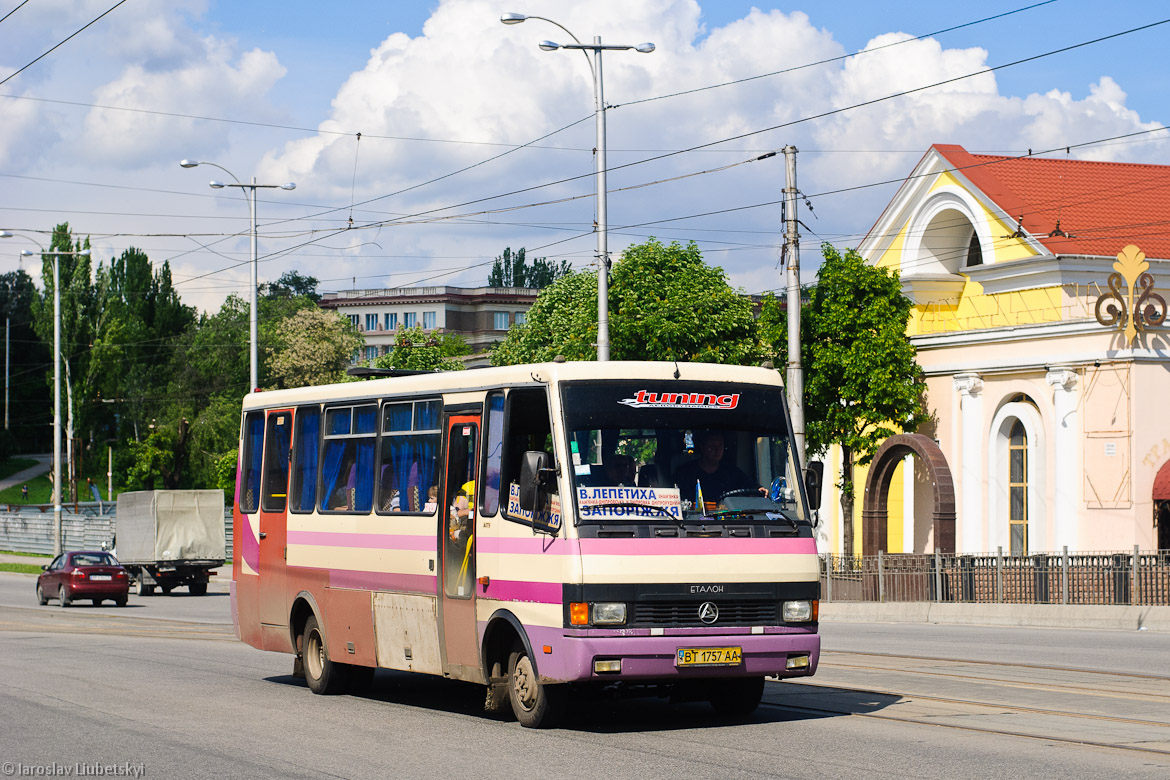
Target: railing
x=1134 y=577
x=84 y=526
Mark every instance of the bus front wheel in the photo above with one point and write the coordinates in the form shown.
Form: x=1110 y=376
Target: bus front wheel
x=737 y=697
x=323 y=675
x=535 y=704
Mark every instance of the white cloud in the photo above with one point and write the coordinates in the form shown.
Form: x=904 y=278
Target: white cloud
x=213 y=85
x=468 y=77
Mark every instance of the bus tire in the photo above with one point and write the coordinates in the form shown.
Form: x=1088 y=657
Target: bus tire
x=534 y=704
x=737 y=697
x=323 y=675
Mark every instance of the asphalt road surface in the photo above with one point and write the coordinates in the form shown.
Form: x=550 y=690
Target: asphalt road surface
x=164 y=690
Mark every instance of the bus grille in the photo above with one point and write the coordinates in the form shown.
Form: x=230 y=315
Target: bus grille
x=686 y=613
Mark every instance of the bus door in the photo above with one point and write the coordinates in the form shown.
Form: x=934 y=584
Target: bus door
x=273 y=524
x=457 y=573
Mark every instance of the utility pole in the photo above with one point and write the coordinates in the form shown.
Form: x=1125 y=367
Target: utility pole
x=794 y=379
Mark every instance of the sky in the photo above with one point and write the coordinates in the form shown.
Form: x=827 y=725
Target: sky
x=473 y=139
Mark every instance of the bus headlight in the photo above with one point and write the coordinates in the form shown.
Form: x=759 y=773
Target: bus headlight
x=802 y=611
x=609 y=613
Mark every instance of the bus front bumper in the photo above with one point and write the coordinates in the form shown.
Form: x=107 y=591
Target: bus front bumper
x=661 y=658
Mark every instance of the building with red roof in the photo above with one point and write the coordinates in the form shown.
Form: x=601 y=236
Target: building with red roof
x=1039 y=288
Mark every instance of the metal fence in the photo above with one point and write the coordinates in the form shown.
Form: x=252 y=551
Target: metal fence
x=84 y=526
x=1133 y=577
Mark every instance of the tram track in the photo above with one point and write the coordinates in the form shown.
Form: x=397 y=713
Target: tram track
x=805 y=709
x=996 y=664
x=990 y=697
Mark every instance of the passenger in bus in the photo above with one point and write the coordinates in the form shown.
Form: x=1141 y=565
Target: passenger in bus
x=708 y=469
x=619 y=470
x=432 y=499
x=342 y=497
x=461 y=515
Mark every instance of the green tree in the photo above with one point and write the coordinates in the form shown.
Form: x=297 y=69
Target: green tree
x=292 y=284
x=417 y=350
x=863 y=384
x=30 y=404
x=512 y=270
x=665 y=303
x=312 y=347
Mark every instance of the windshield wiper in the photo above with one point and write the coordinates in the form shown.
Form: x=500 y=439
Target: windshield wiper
x=726 y=514
x=629 y=505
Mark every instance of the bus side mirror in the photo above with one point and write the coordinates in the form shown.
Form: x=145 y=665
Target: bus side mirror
x=533 y=469
x=812 y=483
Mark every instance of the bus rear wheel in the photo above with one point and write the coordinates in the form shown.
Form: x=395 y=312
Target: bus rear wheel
x=534 y=704
x=323 y=675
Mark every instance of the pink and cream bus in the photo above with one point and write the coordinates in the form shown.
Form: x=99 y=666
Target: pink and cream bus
x=533 y=529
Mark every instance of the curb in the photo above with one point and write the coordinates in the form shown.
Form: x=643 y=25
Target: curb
x=1105 y=617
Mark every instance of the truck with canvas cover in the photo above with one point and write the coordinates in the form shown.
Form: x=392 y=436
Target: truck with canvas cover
x=171 y=538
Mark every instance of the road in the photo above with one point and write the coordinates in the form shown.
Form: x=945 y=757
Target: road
x=164 y=687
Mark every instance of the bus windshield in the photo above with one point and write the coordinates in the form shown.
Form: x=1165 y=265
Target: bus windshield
x=681 y=451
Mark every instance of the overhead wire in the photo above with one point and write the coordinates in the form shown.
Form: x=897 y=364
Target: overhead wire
x=58 y=45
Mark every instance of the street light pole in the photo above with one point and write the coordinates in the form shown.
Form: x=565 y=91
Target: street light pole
x=254 y=319
x=57 y=540
x=602 y=206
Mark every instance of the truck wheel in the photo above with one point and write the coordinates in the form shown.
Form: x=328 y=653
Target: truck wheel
x=198 y=588
x=42 y=599
x=737 y=697
x=64 y=596
x=535 y=705
x=143 y=589
x=323 y=675
x=166 y=589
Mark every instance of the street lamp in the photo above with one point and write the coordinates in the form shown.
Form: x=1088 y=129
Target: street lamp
x=56 y=379
x=599 y=109
x=250 y=195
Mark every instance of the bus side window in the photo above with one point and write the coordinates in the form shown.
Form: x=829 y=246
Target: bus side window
x=306 y=452
x=494 y=453
x=408 y=464
x=277 y=446
x=347 y=465
x=526 y=428
x=249 y=475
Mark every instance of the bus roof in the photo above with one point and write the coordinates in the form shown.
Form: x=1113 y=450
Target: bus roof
x=473 y=380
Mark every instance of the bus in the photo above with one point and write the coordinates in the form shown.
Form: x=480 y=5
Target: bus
x=535 y=529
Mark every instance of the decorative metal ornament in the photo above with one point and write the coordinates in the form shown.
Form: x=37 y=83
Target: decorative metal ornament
x=1118 y=307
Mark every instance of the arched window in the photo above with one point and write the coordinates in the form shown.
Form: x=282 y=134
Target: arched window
x=1018 y=489
x=974 y=251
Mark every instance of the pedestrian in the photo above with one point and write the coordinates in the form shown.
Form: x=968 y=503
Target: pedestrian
x=24 y=493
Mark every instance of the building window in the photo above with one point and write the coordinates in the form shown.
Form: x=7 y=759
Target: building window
x=410 y=319
x=371 y=353
x=500 y=320
x=428 y=320
x=974 y=251
x=391 y=320
x=520 y=317
x=354 y=319
x=371 y=322
x=1018 y=489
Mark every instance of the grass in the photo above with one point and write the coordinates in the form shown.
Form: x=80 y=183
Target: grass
x=20 y=568
x=40 y=491
x=25 y=554
x=13 y=465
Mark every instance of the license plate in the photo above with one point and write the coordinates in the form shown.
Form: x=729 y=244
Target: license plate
x=708 y=656
x=101 y=577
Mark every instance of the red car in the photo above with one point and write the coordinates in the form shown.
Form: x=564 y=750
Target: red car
x=84 y=575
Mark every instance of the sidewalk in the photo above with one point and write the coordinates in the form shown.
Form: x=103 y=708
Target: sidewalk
x=44 y=466
x=1119 y=617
